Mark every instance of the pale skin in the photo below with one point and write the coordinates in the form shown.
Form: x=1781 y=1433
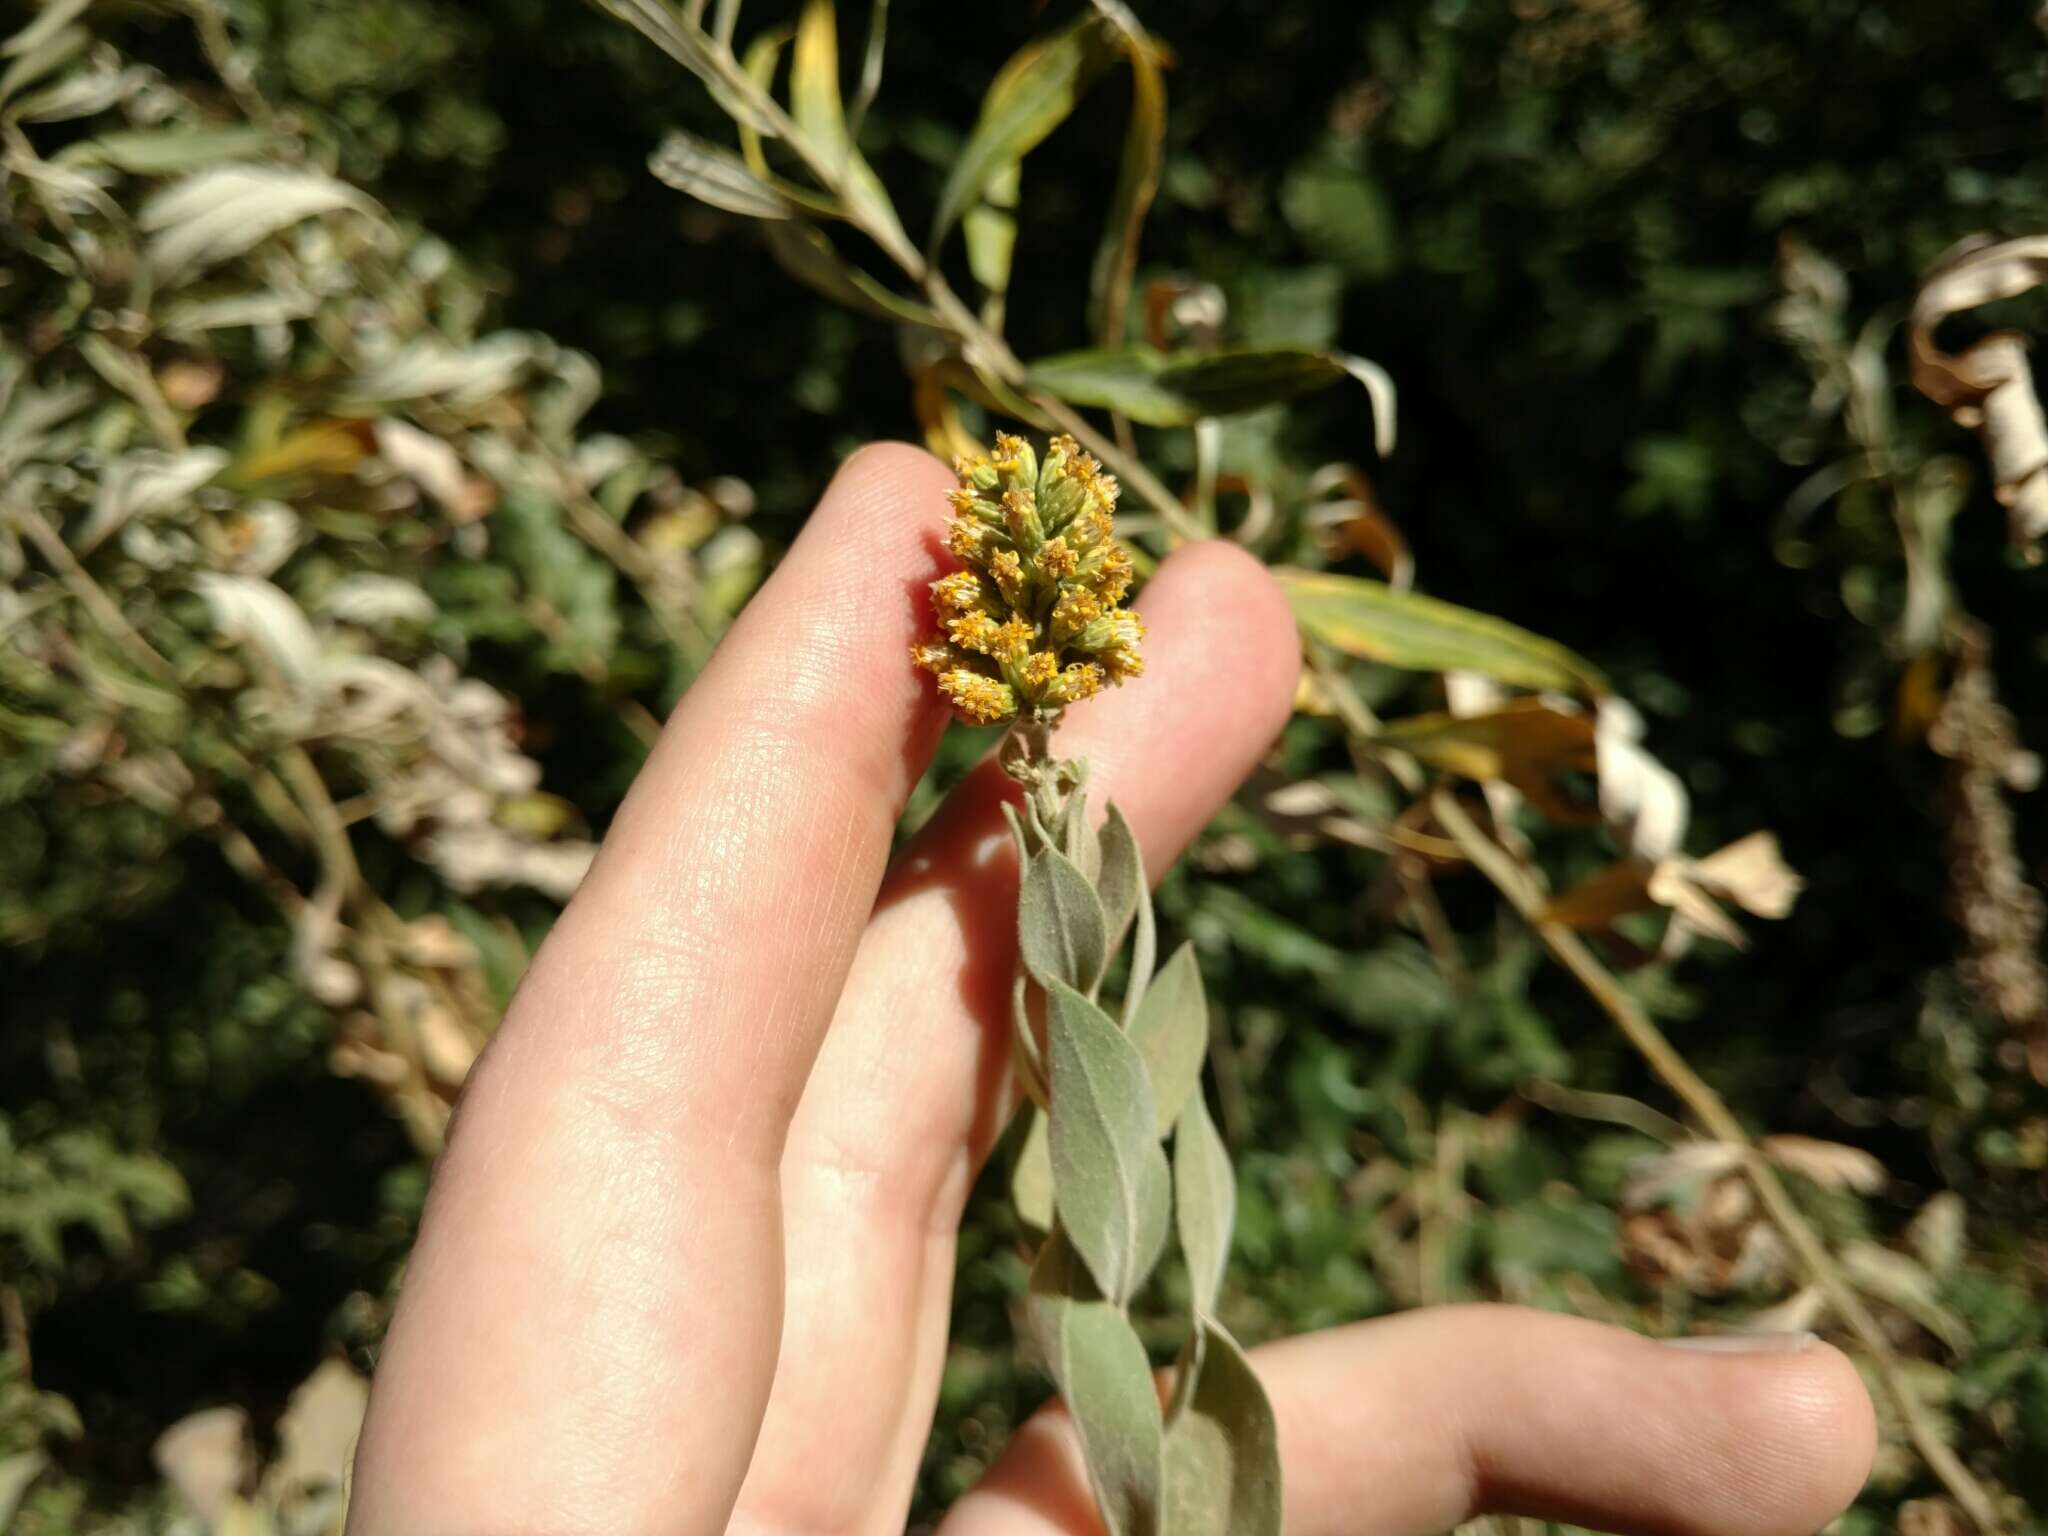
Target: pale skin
x=687 y=1262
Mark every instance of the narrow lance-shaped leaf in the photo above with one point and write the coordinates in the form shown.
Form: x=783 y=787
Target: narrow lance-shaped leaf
x=814 y=99
x=1171 y=1032
x=1178 y=389
x=1122 y=879
x=1223 y=1451
x=1204 y=1202
x=1110 y=1181
x=1029 y=97
x=1099 y=1363
x=1116 y=259
x=657 y=21
x=1084 y=846
x=1031 y=1179
x=1061 y=929
x=1371 y=621
x=716 y=176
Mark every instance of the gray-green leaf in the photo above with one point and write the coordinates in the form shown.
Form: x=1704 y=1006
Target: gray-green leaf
x=1122 y=876
x=715 y=176
x=1109 y=1176
x=1061 y=929
x=1099 y=1362
x=1171 y=1031
x=1031 y=1179
x=1223 y=1451
x=1204 y=1202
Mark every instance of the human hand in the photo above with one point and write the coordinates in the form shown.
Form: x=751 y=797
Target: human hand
x=687 y=1262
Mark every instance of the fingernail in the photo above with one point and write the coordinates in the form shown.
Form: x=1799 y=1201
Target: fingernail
x=1743 y=1343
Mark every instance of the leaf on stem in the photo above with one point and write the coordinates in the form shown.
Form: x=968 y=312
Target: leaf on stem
x=1171 y=1032
x=1370 y=621
x=1122 y=880
x=1204 y=1201
x=1099 y=1362
x=1061 y=929
x=1030 y=96
x=1110 y=1181
x=1223 y=1451
x=1178 y=389
x=1116 y=259
x=814 y=103
x=716 y=176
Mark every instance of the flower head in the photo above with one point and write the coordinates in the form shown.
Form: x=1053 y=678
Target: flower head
x=1031 y=621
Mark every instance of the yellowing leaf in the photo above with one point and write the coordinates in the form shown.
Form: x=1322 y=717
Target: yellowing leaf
x=1116 y=259
x=1530 y=744
x=1370 y=621
x=814 y=102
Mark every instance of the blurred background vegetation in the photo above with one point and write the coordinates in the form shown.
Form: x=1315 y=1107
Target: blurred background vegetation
x=1564 y=227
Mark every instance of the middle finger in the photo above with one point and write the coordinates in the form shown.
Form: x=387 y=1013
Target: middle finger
x=911 y=1086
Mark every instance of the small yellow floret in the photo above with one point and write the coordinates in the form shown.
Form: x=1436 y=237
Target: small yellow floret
x=979 y=699
x=1039 y=671
x=1012 y=640
x=957 y=594
x=975 y=632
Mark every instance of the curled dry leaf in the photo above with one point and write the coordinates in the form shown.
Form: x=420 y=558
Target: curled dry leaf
x=1639 y=797
x=317 y=1434
x=1529 y=744
x=1988 y=387
x=205 y=1456
x=1829 y=1164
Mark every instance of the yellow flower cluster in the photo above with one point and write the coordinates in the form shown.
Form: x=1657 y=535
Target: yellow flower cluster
x=1031 y=621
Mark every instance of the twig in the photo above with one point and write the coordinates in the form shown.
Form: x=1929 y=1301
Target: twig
x=1706 y=1106
x=14 y=1330
x=92 y=595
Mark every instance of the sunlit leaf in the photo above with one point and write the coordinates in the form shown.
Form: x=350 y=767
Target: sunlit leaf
x=211 y=215
x=1116 y=259
x=1370 y=621
x=1110 y=1181
x=814 y=100
x=162 y=151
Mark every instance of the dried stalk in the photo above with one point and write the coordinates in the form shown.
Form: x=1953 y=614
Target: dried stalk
x=1526 y=894
x=1708 y=1108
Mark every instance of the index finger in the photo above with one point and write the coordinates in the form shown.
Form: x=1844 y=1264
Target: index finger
x=589 y=1323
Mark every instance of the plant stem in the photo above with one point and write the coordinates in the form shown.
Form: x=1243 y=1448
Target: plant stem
x=1708 y=1108
x=981 y=346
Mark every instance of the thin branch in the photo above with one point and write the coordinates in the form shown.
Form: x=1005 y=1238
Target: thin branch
x=1708 y=1108
x=92 y=595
